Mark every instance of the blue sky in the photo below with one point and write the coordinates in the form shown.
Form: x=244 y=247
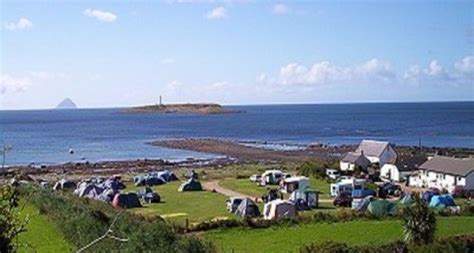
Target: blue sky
x=122 y=53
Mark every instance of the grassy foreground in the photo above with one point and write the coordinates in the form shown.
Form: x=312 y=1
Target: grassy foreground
x=41 y=234
x=289 y=239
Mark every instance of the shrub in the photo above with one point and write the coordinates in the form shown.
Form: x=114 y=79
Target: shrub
x=10 y=223
x=453 y=244
x=419 y=222
x=315 y=168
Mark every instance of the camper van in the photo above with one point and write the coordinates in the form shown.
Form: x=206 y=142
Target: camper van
x=291 y=184
x=347 y=185
x=272 y=177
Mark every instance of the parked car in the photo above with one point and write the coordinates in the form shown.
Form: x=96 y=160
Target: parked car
x=255 y=178
x=392 y=189
x=344 y=199
x=458 y=191
x=333 y=174
x=232 y=203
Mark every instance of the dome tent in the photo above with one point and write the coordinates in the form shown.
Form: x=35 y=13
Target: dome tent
x=247 y=209
x=279 y=209
x=190 y=185
x=126 y=200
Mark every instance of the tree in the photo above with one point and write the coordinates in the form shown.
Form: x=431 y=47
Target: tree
x=419 y=222
x=10 y=223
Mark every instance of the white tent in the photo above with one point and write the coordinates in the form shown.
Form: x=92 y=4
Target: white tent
x=279 y=209
x=308 y=197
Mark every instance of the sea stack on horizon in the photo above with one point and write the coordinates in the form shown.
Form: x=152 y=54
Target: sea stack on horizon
x=67 y=103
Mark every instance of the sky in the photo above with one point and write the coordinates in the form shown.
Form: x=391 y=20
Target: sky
x=122 y=53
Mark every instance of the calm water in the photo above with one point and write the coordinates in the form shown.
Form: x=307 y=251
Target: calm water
x=46 y=136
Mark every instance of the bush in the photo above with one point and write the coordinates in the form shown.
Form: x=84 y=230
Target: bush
x=10 y=223
x=419 y=222
x=453 y=244
x=82 y=221
x=316 y=168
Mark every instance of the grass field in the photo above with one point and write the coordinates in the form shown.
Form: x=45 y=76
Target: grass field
x=179 y=206
x=41 y=235
x=250 y=188
x=289 y=239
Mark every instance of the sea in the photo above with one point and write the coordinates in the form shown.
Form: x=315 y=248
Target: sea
x=41 y=137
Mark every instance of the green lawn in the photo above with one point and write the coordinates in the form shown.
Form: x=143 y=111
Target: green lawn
x=250 y=188
x=289 y=239
x=179 y=206
x=41 y=235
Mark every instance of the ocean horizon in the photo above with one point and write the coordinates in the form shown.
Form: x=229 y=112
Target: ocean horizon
x=97 y=134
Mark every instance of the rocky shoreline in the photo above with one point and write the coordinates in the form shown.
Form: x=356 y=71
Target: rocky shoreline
x=204 y=108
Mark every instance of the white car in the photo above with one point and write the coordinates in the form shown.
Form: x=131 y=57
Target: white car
x=333 y=174
x=232 y=203
x=255 y=178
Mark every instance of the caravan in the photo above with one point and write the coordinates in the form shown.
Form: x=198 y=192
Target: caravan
x=291 y=184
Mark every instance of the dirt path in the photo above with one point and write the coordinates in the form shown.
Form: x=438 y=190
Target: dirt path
x=214 y=185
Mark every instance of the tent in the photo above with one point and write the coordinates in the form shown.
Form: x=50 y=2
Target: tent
x=279 y=209
x=305 y=198
x=91 y=191
x=427 y=195
x=151 y=197
x=113 y=183
x=382 y=207
x=64 y=184
x=247 y=209
x=148 y=180
x=126 y=200
x=407 y=199
x=361 y=205
x=190 y=185
x=442 y=201
x=107 y=195
x=167 y=175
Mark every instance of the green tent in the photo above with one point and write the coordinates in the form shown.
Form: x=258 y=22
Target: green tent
x=382 y=207
x=190 y=185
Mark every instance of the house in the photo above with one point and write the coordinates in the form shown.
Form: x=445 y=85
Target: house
x=353 y=159
x=444 y=172
x=380 y=152
x=402 y=168
x=291 y=184
x=368 y=152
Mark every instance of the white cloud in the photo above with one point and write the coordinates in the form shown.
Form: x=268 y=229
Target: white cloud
x=43 y=75
x=103 y=16
x=217 y=13
x=466 y=65
x=22 y=23
x=219 y=85
x=322 y=73
x=168 y=60
x=10 y=83
x=280 y=9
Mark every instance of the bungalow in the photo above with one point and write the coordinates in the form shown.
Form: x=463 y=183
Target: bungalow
x=402 y=168
x=353 y=159
x=368 y=152
x=380 y=152
x=444 y=172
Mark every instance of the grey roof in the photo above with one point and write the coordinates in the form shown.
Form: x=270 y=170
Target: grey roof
x=372 y=148
x=449 y=165
x=351 y=157
x=409 y=163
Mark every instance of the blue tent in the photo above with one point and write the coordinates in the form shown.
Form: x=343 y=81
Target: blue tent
x=362 y=193
x=442 y=201
x=407 y=199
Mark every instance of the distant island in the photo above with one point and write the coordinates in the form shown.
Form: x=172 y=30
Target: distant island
x=67 y=103
x=201 y=108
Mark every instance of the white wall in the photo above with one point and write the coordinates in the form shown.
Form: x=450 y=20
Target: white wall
x=438 y=180
x=390 y=172
x=346 y=166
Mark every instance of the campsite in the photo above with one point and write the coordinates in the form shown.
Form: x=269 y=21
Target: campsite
x=192 y=209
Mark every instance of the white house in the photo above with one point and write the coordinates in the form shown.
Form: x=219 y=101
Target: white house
x=445 y=173
x=369 y=152
x=380 y=152
x=400 y=170
x=353 y=159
